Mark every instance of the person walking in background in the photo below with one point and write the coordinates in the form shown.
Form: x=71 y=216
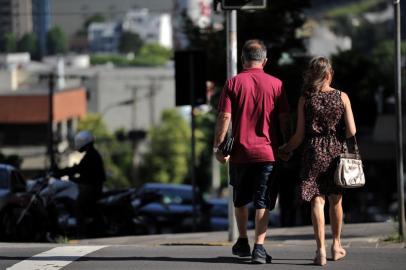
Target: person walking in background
x=325 y=120
x=254 y=101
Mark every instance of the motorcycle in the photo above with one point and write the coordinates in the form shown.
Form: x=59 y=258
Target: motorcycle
x=46 y=210
x=22 y=218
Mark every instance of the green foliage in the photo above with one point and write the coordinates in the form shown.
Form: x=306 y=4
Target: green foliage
x=168 y=158
x=96 y=125
x=364 y=34
x=82 y=32
x=353 y=8
x=277 y=27
x=28 y=43
x=152 y=54
x=393 y=238
x=116 y=59
x=57 y=41
x=115 y=155
x=361 y=75
x=93 y=19
x=383 y=57
x=148 y=55
x=354 y=74
x=205 y=124
x=8 y=43
x=130 y=42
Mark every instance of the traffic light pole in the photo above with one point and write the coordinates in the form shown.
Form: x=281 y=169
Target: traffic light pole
x=231 y=72
x=51 y=153
x=399 y=123
x=193 y=141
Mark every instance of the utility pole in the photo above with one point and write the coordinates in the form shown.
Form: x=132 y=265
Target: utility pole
x=193 y=138
x=399 y=123
x=231 y=72
x=50 y=126
x=152 y=92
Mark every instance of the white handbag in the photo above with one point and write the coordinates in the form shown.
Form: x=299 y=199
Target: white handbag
x=349 y=172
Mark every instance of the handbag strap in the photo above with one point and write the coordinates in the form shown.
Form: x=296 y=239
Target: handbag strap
x=356 y=149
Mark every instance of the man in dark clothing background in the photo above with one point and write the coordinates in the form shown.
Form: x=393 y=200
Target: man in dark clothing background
x=89 y=174
x=257 y=106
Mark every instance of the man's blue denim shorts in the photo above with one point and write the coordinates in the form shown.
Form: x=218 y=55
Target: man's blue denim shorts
x=251 y=182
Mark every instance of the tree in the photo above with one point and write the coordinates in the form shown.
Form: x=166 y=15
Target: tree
x=82 y=32
x=152 y=54
x=28 y=43
x=361 y=75
x=130 y=42
x=277 y=27
x=8 y=43
x=93 y=19
x=168 y=156
x=57 y=41
x=115 y=155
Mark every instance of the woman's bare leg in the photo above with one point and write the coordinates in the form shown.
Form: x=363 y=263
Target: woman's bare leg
x=317 y=208
x=336 y=220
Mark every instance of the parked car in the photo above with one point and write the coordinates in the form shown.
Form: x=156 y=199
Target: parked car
x=14 y=199
x=174 y=213
x=11 y=180
x=219 y=215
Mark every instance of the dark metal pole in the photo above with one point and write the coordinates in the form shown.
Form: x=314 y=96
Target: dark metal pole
x=399 y=123
x=193 y=141
x=51 y=86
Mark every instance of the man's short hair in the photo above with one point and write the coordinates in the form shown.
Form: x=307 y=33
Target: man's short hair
x=254 y=50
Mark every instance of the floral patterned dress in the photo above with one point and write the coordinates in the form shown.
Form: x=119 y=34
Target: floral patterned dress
x=324 y=138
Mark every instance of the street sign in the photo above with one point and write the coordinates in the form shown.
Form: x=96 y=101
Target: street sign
x=243 y=4
x=190 y=75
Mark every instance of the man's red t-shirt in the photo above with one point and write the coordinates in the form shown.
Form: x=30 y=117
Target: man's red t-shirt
x=254 y=100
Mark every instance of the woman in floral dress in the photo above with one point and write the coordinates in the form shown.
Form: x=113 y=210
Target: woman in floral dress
x=325 y=119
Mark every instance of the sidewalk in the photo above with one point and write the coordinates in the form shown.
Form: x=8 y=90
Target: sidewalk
x=368 y=235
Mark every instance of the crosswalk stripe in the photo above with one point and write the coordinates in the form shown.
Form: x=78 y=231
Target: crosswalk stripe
x=55 y=258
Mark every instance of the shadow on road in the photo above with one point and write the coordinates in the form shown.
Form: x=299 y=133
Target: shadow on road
x=225 y=260
x=302 y=237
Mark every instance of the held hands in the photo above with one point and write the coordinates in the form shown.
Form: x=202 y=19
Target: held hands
x=221 y=158
x=283 y=154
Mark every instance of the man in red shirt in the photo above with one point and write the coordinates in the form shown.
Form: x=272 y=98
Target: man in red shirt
x=255 y=103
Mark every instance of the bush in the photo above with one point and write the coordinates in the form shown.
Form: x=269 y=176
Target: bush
x=148 y=55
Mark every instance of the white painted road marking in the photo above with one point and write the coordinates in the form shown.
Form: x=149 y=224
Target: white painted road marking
x=55 y=258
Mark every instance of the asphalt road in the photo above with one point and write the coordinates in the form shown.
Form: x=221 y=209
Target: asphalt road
x=291 y=248
x=195 y=257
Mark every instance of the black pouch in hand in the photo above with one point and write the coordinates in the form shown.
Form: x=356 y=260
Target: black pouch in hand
x=227 y=146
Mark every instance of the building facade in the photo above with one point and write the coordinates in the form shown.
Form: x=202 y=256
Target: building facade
x=128 y=98
x=71 y=15
x=41 y=10
x=151 y=27
x=24 y=125
x=104 y=37
x=16 y=17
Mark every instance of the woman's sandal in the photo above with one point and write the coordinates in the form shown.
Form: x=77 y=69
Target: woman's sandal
x=320 y=259
x=338 y=254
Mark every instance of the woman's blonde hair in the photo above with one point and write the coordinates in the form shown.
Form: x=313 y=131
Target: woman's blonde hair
x=316 y=74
